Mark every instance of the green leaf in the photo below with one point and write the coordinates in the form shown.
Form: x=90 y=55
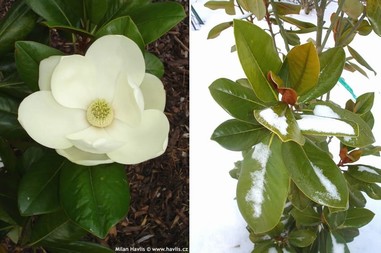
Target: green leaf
x=95 y=197
x=256 y=7
x=334 y=218
x=16 y=25
x=147 y=18
x=9 y=125
x=300 y=24
x=15 y=88
x=335 y=242
x=365 y=137
x=357 y=217
x=216 y=31
x=301 y=238
x=96 y=9
x=9 y=182
x=280 y=120
x=38 y=191
x=7 y=155
x=154 y=65
x=292 y=39
x=327 y=126
x=373 y=12
x=67 y=28
x=235 y=99
x=76 y=247
x=64 y=12
x=350 y=66
x=258 y=56
x=298 y=199
x=364 y=103
x=365 y=28
x=263 y=186
x=365 y=173
x=123 y=26
x=301 y=68
x=348 y=234
x=360 y=59
x=331 y=66
x=306 y=217
x=54 y=227
x=28 y=56
x=228 y=6
x=282 y=8
x=316 y=174
x=237 y=135
x=353 y=8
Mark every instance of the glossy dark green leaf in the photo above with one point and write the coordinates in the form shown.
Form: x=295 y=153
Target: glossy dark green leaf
x=67 y=28
x=28 y=56
x=280 y=120
x=15 y=88
x=331 y=66
x=373 y=12
x=228 y=6
x=360 y=59
x=365 y=173
x=357 y=217
x=216 y=31
x=292 y=39
x=306 y=217
x=301 y=238
x=76 y=247
x=123 y=26
x=147 y=18
x=96 y=9
x=9 y=213
x=16 y=25
x=64 y=12
x=356 y=197
x=298 y=199
x=38 y=191
x=95 y=197
x=238 y=135
x=316 y=174
x=9 y=125
x=154 y=65
x=263 y=186
x=364 y=103
x=365 y=137
x=236 y=99
x=54 y=227
x=348 y=234
x=7 y=155
x=258 y=56
x=334 y=219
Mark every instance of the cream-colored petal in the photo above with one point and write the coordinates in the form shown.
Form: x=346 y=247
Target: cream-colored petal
x=153 y=93
x=47 y=122
x=94 y=140
x=75 y=83
x=77 y=156
x=115 y=54
x=46 y=69
x=144 y=142
x=128 y=102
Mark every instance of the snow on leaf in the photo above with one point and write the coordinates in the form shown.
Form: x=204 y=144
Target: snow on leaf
x=276 y=121
x=328 y=185
x=325 y=125
x=325 y=111
x=255 y=195
x=367 y=169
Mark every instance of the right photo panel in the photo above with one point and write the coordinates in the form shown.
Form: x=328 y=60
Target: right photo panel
x=285 y=118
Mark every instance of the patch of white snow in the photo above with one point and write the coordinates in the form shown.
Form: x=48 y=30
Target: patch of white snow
x=324 y=125
x=261 y=154
x=367 y=169
x=274 y=120
x=328 y=185
x=326 y=111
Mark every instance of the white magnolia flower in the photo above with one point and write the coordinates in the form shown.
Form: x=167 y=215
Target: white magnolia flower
x=98 y=108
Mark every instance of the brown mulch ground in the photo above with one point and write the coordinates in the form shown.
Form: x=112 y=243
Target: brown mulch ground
x=159 y=212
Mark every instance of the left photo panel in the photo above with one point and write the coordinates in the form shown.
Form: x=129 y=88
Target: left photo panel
x=94 y=126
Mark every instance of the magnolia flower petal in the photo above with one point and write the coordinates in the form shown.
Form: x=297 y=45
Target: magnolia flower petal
x=128 y=102
x=47 y=122
x=78 y=156
x=75 y=83
x=46 y=69
x=144 y=142
x=94 y=140
x=153 y=93
x=115 y=54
